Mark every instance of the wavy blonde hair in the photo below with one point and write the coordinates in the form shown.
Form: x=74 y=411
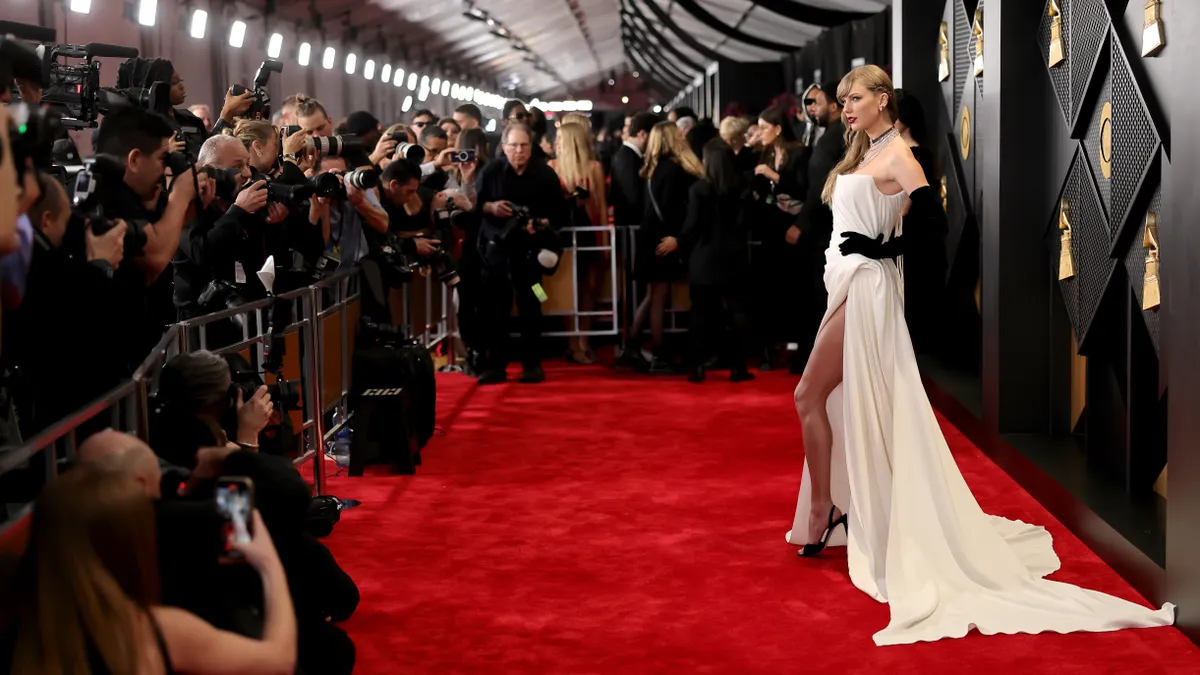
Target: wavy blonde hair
x=874 y=79
x=576 y=118
x=666 y=140
x=575 y=155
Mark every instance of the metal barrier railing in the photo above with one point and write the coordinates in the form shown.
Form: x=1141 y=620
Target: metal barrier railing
x=576 y=313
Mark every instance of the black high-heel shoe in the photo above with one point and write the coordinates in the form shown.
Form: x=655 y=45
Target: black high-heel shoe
x=811 y=550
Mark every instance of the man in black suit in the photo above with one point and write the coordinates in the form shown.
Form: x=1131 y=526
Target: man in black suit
x=814 y=224
x=626 y=192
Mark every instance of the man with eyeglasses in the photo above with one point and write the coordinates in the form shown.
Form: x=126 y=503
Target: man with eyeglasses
x=515 y=258
x=514 y=112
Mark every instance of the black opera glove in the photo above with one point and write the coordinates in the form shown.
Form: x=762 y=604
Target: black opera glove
x=875 y=249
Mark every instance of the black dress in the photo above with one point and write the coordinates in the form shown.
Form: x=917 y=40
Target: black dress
x=668 y=189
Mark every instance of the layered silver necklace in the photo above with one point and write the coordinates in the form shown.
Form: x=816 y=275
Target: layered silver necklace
x=877 y=146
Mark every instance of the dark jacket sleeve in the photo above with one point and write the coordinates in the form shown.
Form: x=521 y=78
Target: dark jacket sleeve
x=793 y=177
x=557 y=210
x=825 y=156
x=693 y=226
x=211 y=246
x=627 y=184
x=678 y=188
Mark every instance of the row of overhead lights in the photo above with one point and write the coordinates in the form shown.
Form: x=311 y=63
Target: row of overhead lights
x=422 y=84
x=561 y=106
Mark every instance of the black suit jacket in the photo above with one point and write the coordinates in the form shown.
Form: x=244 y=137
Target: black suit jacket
x=714 y=237
x=627 y=187
x=815 y=216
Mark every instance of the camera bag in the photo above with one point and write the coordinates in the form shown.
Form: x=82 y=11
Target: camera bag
x=384 y=421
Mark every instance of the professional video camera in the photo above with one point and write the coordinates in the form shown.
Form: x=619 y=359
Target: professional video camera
x=260 y=109
x=98 y=171
x=74 y=90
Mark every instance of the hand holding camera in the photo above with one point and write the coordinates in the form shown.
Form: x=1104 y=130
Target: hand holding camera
x=295 y=144
x=426 y=246
x=109 y=247
x=236 y=105
x=183 y=187
x=383 y=149
x=500 y=209
x=253 y=415
x=276 y=213
x=445 y=158
x=253 y=197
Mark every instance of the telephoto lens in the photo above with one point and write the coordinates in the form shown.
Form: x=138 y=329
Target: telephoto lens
x=363 y=179
x=333 y=146
x=288 y=195
x=327 y=185
x=410 y=151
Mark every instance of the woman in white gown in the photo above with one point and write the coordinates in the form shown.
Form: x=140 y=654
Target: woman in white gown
x=915 y=536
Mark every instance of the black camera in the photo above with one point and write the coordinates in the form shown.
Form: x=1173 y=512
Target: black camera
x=260 y=108
x=519 y=220
x=74 y=90
x=221 y=294
x=581 y=193
x=85 y=198
x=324 y=266
x=333 y=146
x=453 y=215
x=285 y=394
x=225 y=180
x=289 y=195
x=410 y=151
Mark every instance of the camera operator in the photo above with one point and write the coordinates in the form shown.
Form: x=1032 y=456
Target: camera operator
x=522 y=204
x=65 y=289
x=141 y=140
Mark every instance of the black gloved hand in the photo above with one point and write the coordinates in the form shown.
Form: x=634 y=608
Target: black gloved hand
x=875 y=249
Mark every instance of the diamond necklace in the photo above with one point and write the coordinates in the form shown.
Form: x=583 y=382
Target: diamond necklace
x=877 y=146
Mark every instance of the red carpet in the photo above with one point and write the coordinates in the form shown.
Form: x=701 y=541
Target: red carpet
x=599 y=523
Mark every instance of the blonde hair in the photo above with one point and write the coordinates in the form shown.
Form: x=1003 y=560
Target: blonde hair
x=666 y=140
x=248 y=131
x=733 y=127
x=575 y=156
x=874 y=79
x=576 y=118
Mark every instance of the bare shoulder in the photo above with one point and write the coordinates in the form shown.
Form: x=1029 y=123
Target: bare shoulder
x=903 y=166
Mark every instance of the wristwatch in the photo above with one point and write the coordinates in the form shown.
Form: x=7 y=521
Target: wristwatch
x=104 y=266
x=295 y=159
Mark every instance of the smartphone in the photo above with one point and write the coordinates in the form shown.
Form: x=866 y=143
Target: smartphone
x=462 y=156
x=235 y=503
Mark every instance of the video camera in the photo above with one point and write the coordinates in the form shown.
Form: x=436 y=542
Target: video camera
x=74 y=89
x=98 y=171
x=260 y=109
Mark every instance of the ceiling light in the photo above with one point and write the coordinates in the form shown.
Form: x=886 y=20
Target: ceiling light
x=657 y=109
x=199 y=21
x=398 y=78
x=385 y=74
x=145 y=13
x=328 y=57
x=275 y=45
x=585 y=106
x=424 y=81
x=437 y=84
x=369 y=69
x=625 y=99
x=351 y=61
x=305 y=53
x=491 y=125
x=470 y=95
x=423 y=94
x=81 y=6
x=445 y=87
x=454 y=90
x=412 y=81
x=636 y=74
x=237 y=34
x=611 y=82
x=407 y=104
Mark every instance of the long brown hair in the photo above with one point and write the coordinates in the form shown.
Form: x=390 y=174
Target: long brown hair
x=857 y=142
x=666 y=140
x=88 y=576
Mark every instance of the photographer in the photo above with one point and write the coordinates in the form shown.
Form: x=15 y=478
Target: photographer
x=437 y=158
x=224 y=245
x=138 y=73
x=367 y=129
x=141 y=139
x=522 y=204
x=69 y=285
x=346 y=239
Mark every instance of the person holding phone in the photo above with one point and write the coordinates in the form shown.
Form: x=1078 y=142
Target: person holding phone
x=104 y=604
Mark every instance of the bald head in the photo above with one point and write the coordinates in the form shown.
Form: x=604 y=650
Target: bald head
x=126 y=454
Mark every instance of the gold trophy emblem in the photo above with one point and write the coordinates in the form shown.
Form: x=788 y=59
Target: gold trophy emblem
x=945 y=195
x=977 y=31
x=1066 y=258
x=1106 y=139
x=1058 y=52
x=1152 y=30
x=944 y=61
x=1151 y=297
x=964 y=136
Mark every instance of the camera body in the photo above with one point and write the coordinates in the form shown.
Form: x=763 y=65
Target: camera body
x=225 y=180
x=74 y=90
x=285 y=394
x=85 y=199
x=462 y=156
x=260 y=107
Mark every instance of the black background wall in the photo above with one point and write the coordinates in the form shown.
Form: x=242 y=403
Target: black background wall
x=833 y=50
x=1037 y=136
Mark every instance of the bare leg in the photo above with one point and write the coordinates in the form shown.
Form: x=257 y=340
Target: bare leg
x=822 y=374
x=658 y=298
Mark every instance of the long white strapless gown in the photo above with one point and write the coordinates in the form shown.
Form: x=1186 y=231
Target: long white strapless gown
x=917 y=538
